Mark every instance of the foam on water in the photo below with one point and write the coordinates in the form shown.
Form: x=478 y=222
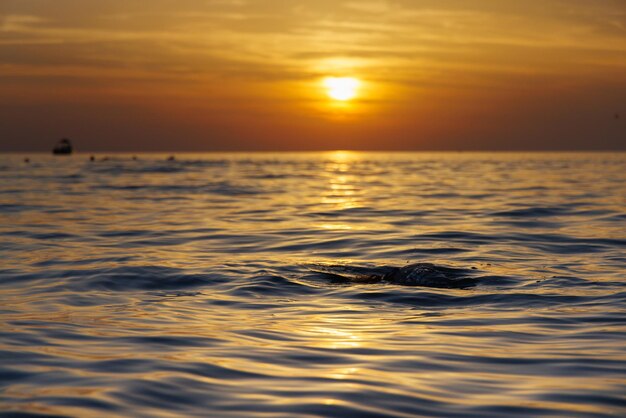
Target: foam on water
x=232 y=285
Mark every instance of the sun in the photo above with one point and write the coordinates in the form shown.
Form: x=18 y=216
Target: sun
x=342 y=88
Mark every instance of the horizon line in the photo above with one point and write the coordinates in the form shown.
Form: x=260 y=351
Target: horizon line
x=530 y=150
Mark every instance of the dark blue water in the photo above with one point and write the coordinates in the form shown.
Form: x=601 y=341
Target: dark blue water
x=151 y=288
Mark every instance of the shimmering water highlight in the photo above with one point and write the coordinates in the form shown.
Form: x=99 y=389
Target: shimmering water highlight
x=154 y=288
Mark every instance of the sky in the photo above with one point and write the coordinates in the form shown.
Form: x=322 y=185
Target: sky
x=217 y=75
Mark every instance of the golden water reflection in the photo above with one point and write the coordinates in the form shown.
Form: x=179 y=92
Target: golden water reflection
x=190 y=282
x=342 y=192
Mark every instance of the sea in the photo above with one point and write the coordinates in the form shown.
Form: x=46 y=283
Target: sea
x=134 y=286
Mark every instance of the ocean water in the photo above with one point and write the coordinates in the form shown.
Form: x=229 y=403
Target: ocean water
x=201 y=286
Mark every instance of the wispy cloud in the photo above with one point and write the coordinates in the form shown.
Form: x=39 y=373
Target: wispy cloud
x=266 y=35
x=453 y=52
x=18 y=23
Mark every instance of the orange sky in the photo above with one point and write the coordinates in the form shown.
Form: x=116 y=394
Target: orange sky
x=201 y=75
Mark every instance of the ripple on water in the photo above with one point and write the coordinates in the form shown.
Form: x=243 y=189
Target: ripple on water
x=180 y=288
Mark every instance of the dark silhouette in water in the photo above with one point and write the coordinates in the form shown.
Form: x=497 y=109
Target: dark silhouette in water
x=171 y=158
x=418 y=274
x=63 y=147
x=92 y=158
x=26 y=160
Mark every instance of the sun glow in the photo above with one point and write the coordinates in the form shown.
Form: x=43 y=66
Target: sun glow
x=342 y=88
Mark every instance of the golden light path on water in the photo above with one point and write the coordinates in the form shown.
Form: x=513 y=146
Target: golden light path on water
x=189 y=290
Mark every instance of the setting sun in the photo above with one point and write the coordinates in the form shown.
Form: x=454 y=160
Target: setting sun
x=341 y=88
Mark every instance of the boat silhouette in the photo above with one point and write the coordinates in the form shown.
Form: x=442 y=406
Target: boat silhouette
x=63 y=147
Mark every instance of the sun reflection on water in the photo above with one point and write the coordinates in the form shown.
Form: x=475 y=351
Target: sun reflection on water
x=342 y=193
x=187 y=291
x=334 y=338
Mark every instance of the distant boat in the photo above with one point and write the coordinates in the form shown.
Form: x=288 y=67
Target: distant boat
x=63 y=147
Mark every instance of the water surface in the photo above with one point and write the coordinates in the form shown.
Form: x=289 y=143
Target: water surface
x=153 y=288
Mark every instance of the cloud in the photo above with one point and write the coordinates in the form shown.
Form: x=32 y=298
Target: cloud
x=226 y=54
x=443 y=42
x=18 y=23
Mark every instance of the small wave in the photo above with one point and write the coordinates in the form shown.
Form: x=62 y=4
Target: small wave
x=20 y=414
x=534 y=212
x=433 y=251
x=118 y=167
x=441 y=300
x=121 y=169
x=131 y=278
x=16 y=208
x=261 y=286
x=150 y=190
x=418 y=274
